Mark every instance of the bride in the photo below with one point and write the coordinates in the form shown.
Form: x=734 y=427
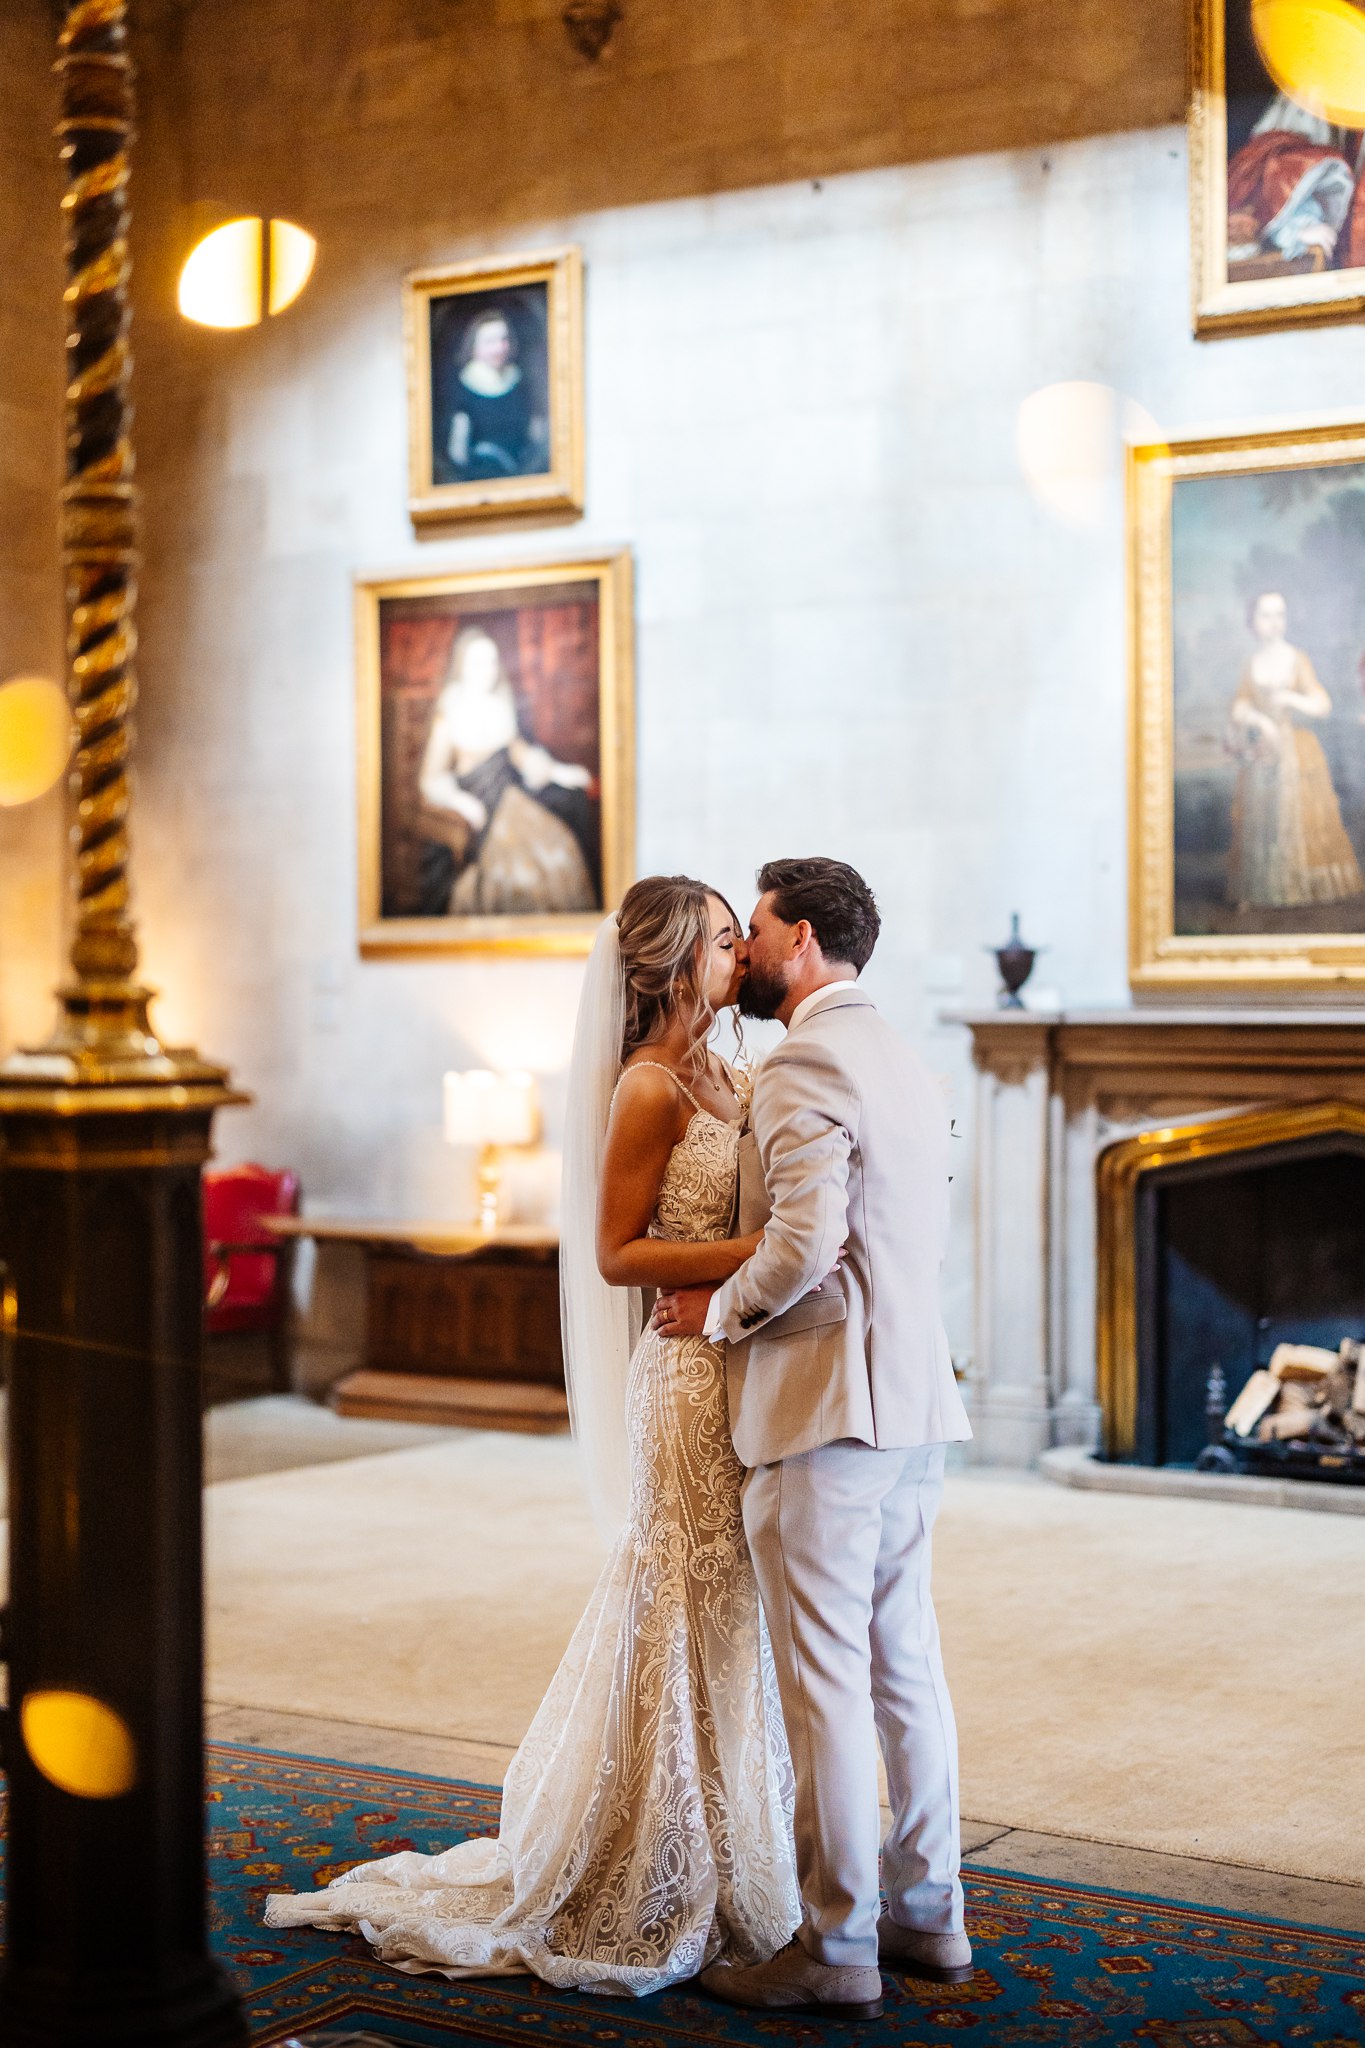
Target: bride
x=646 y=1818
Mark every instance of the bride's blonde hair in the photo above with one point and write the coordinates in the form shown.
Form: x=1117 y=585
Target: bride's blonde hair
x=665 y=932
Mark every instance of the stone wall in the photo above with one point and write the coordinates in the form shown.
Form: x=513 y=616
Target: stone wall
x=480 y=114
x=857 y=632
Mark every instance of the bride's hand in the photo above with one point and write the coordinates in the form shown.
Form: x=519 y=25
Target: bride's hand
x=834 y=1270
x=681 y=1311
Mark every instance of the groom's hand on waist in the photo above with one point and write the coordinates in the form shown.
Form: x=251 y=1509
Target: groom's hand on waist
x=681 y=1311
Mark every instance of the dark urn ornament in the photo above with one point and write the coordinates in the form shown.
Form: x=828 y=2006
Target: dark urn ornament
x=1015 y=961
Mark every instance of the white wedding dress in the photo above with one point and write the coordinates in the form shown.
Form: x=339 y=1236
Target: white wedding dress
x=646 y=1818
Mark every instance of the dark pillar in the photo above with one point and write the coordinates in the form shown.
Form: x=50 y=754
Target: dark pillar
x=106 y=1938
x=102 y=1135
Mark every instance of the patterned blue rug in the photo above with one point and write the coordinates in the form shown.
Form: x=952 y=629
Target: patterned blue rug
x=1057 y=1964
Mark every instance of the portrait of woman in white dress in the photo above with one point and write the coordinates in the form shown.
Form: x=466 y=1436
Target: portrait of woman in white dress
x=496 y=844
x=495 y=758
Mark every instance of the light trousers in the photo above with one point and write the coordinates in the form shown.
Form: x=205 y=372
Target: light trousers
x=841 y=1541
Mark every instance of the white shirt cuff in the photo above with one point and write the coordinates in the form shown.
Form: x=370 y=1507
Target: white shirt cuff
x=712 y=1324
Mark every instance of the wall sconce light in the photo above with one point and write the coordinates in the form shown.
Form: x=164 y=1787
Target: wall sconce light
x=244 y=271
x=491 y=1111
x=37 y=734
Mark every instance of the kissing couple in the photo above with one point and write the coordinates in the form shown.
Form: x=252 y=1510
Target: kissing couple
x=698 y=1790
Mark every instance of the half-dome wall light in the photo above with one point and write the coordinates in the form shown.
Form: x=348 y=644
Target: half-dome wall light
x=245 y=270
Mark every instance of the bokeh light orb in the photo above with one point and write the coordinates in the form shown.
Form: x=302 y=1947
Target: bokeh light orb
x=36 y=738
x=79 y=1744
x=1070 y=439
x=1315 y=52
x=244 y=270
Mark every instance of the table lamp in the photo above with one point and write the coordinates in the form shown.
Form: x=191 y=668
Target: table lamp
x=491 y=1111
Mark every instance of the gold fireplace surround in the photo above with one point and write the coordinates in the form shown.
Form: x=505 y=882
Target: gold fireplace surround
x=1121 y=1169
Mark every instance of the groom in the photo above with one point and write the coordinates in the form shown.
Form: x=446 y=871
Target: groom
x=842 y=1399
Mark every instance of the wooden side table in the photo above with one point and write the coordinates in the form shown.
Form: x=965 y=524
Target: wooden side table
x=461 y=1325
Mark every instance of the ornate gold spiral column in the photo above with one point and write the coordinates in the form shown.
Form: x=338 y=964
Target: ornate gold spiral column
x=103 y=1030
x=103 y=1132
x=105 y=1012
x=99 y=513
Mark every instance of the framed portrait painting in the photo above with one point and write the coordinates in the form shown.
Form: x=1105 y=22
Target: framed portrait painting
x=495 y=388
x=1277 y=191
x=1248 y=712
x=496 y=757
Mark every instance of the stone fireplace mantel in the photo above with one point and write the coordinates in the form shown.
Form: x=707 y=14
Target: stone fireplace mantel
x=1054 y=1089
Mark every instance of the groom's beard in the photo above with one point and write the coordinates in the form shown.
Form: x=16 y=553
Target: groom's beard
x=762 y=992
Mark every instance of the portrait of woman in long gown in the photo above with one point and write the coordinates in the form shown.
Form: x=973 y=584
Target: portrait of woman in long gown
x=498 y=810
x=1289 y=846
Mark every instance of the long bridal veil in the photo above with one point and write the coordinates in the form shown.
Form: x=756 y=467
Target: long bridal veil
x=601 y=1324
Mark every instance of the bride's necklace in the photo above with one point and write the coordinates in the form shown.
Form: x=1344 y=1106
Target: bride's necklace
x=720 y=1082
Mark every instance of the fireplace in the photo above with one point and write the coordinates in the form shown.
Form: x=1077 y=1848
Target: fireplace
x=1218 y=1242
x=1072 y=1114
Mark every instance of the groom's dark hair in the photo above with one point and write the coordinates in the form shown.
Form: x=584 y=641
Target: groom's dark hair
x=834 y=900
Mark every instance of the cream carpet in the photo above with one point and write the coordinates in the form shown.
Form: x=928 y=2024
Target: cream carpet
x=1166 y=1674
x=274 y=1432
x=430 y=1589
x=278 y=1432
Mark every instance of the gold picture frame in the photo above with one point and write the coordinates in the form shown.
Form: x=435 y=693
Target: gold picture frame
x=1264 y=291
x=1246 y=804
x=513 y=687
x=464 y=461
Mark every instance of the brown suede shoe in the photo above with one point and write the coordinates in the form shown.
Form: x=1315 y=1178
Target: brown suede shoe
x=793 y=1981
x=941 y=1958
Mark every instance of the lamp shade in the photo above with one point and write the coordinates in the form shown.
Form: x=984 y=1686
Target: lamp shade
x=483 y=1108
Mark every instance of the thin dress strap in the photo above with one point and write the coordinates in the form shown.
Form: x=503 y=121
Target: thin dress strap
x=663 y=1070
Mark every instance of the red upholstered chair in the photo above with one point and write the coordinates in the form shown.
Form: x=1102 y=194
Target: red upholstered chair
x=247 y=1269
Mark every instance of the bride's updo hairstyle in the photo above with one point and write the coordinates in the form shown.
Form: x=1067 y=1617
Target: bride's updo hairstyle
x=665 y=932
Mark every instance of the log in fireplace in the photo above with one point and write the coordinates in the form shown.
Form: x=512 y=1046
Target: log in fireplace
x=1300 y=1416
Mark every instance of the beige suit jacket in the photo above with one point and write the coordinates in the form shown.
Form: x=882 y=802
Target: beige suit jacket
x=849 y=1146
